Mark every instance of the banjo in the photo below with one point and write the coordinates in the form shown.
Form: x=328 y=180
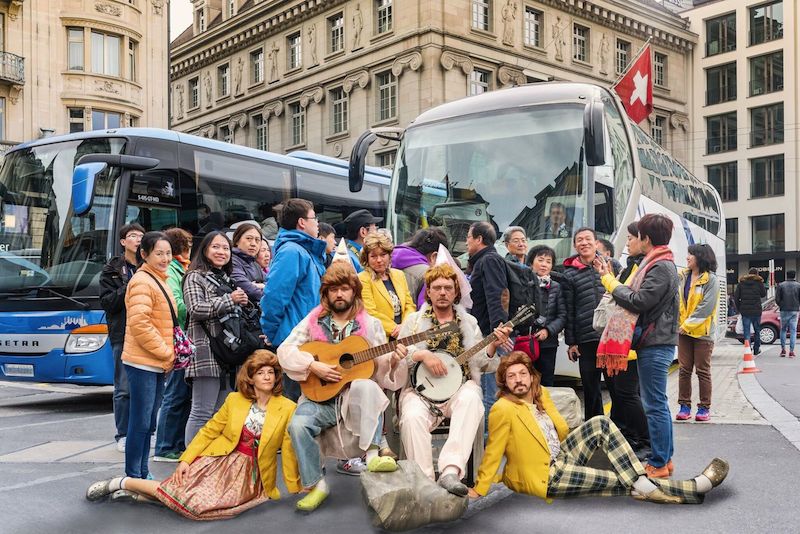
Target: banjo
x=441 y=388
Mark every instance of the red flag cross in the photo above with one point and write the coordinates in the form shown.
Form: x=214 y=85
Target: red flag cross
x=635 y=88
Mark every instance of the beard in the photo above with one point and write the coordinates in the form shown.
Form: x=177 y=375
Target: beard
x=520 y=390
x=340 y=305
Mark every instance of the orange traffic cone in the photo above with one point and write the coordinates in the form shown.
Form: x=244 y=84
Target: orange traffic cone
x=749 y=364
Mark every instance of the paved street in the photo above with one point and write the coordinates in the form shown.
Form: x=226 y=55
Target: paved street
x=57 y=440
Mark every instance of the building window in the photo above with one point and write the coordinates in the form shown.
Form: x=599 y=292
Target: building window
x=387 y=96
x=223 y=80
x=230 y=8
x=766 y=22
x=194 y=93
x=104 y=120
x=721 y=34
x=721 y=84
x=386 y=159
x=75 y=47
x=297 y=124
x=721 y=132
x=657 y=130
x=766 y=125
x=2 y=118
x=623 y=55
x=76 y=123
x=660 y=69
x=481 y=15
x=383 y=11
x=257 y=66
x=768 y=233
x=767 y=178
x=725 y=180
x=533 y=27
x=732 y=236
x=479 y=82
x=294 y=44
x=106 y=53
x=580 y=43
x=201 y=20
x=766 y=73
x=226 y=134
x=336 y=33
x=339 y=112
x=262 y=129
x=132 y=46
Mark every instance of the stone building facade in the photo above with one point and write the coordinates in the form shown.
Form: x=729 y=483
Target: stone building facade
x=77 y=65
x=314 y=74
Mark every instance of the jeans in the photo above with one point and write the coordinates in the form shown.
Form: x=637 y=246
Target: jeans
x=654 y=365
x=208 y=395
x=590 y=379
x=789 y=321
x=121 y=399
x=291 y=389
x=754 y=320
x=627 y=411
x=546 y=364
x=489 y=388
x=174 y=414
x=309 y=420
x=147 y=389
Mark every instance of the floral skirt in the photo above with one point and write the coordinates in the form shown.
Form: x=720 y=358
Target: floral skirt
x=216 y=487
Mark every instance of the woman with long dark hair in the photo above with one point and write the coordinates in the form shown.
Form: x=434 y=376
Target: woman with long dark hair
x=209 y=294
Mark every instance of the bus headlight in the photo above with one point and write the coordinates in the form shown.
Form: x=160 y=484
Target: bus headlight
x=86 y=339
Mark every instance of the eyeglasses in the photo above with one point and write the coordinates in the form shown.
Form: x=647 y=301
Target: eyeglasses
x=134 y=236
x=314 y=218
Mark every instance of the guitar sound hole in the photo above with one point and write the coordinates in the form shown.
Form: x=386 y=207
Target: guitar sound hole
x=346 y=361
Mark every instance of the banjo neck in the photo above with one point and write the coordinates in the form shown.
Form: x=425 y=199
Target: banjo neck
x=523 y=314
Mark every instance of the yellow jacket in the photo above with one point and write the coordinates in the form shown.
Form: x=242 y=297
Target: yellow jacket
x=377 y=301
x=698 y=314
x=220 y=436
x=148 y=327
x=515 y=434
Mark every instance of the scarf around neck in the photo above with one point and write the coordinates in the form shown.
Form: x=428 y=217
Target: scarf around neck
x=617 y=337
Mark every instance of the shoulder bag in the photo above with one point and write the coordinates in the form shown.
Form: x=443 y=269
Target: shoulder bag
x=183 y=346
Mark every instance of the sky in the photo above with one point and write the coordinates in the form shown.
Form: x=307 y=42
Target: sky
x=180 y=17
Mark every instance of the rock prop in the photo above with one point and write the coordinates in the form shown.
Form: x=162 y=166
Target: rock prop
x=568 y=404
x=407 y=499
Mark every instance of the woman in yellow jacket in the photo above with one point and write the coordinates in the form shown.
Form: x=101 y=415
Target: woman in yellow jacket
x=544 y=459
x=148 y=352
x=231 y=464
x=385 y=290
x=699 y=299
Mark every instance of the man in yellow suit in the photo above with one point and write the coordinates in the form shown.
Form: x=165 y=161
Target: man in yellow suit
x=544 y=460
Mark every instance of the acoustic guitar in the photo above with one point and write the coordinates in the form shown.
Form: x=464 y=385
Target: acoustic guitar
x=353 y=358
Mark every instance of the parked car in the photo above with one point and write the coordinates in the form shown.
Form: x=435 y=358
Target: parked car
x=770 y=324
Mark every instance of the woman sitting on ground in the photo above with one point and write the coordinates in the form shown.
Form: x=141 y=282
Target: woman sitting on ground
x=220 y=477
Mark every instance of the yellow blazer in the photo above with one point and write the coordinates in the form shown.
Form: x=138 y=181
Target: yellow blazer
x=377 y=301
x=220 y=436
x=515 y=434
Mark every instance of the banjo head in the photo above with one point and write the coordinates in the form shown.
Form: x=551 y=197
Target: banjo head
x=438 y=388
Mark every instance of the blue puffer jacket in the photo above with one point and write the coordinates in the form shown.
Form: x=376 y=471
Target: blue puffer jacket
x=293 y=283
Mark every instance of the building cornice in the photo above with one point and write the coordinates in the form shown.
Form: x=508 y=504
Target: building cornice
x=68 y=20
x=235 y=34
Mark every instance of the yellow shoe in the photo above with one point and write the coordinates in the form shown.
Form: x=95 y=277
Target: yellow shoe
x=311 y=502
x=382 y=464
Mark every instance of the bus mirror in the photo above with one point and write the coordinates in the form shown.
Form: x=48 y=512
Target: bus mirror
x=593 y=134
x=135 y=163
x=357 y=157
x=83 y=179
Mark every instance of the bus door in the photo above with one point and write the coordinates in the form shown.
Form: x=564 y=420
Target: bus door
x=154 y=196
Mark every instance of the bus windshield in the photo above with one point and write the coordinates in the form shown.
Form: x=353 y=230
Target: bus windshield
x=41 y=243
x=523 y=167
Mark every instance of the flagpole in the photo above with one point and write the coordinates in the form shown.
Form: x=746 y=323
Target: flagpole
x=631 y=62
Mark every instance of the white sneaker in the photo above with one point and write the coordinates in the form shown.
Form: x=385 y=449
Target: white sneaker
x=121 y=444
x=353 y=466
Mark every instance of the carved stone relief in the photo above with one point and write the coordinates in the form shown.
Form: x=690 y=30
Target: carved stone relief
x=412 y=61
x=510 y=77
x=509 y=21
x=315 y=94
x=108 y=9
x=359 y=78
x=451 y=59
x=603 y=54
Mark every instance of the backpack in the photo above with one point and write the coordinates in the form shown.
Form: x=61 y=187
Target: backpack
x=523 y=288
x=241 y=331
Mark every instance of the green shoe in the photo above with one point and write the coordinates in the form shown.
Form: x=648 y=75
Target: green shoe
x=311 y=502
x=382 y=464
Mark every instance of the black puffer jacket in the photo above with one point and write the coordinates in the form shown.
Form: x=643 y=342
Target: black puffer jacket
x=656 y=302
x=582 y=293
x=488 y=279
x=748 y=295
x=113 y=284
x=556 y=313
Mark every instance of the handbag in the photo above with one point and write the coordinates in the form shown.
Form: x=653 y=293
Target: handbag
x=603 y=311
x=182 y=344
x=528 y=344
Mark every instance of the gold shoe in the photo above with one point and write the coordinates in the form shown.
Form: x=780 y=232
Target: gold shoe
x=657 y=496
x=716 y=471
x=388 y=452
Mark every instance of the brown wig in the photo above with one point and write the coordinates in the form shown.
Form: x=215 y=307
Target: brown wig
x=519 y=357
x=441 y=271
x=375 y=241
x=340 y=273
x=244 y=378
x=180 y=240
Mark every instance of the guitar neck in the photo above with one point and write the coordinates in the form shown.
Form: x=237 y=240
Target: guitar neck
x=373 y=352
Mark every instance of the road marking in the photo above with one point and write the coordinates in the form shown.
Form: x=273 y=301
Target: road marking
x=63 y=476
x=56 y=422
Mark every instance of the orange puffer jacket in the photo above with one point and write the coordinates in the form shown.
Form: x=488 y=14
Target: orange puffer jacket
x=148 y=330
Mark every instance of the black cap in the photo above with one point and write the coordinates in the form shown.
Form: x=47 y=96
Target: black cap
x=361 y=218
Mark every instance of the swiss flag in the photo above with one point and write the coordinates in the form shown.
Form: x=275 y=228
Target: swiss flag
x=635 y=88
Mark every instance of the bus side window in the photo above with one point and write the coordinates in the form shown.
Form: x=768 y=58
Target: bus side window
x=332 y=198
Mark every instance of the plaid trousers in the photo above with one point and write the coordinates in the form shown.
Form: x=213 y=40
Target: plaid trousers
x=569 y=476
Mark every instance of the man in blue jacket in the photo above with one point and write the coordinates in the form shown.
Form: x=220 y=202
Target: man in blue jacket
x=292 y=288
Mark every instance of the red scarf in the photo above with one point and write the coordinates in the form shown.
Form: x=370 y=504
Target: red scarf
x=615 y=342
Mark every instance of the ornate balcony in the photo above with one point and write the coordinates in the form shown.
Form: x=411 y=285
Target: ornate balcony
x=12 y=68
